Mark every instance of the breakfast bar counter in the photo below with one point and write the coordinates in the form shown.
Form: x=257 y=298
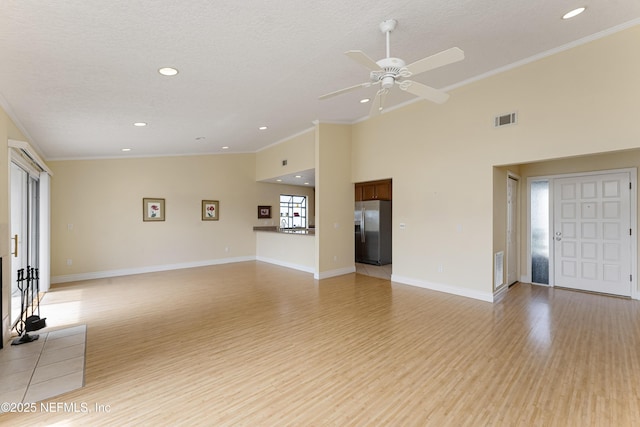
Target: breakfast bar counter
x=283 y=247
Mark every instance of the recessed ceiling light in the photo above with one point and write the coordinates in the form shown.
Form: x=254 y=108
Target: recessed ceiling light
x=140 y=124
x=364 y=101
x=262 y=128
x=225 y=148
x=574 y=12
x=298 y=176
x=168 y=71
x=279 y=180
x=306 y=183
x=126 y=149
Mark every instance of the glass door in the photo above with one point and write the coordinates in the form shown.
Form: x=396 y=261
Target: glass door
x=24 y=229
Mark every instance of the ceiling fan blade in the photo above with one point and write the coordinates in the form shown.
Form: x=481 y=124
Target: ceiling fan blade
x=423 y=91
x=445 y=57
x=345 y=90
x=378 y=102
x=362 y=58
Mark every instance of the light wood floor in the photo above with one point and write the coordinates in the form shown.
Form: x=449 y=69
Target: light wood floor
x=261 y=345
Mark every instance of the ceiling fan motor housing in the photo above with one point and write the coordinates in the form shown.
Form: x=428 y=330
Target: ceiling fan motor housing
x=391 y=70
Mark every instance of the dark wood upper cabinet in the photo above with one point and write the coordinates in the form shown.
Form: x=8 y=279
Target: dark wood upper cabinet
x=373 y=190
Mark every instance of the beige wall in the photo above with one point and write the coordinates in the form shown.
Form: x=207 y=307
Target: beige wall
x=102 y=199
x=8 y=130
x=334 y=201
x=297 y=150
x=290 y=250
x=441 y=157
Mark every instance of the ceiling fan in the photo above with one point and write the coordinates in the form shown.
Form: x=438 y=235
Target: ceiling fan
x=389 y=71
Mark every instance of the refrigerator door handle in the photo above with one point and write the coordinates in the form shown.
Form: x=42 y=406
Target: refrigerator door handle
x=363 y=226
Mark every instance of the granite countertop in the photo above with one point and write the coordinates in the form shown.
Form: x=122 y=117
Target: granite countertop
x=275 y=229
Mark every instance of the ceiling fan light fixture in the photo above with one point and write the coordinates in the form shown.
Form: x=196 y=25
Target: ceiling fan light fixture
x=168 y=71
x=387 y=82
x=573 y=13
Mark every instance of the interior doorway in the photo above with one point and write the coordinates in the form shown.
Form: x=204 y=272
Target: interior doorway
x=373 y=228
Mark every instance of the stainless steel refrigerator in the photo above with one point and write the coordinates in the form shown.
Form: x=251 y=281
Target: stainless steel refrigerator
x=373 y=232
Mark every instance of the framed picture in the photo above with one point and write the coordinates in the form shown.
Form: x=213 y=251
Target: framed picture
x=210 y=210
x=264 y=212
x=152 y=209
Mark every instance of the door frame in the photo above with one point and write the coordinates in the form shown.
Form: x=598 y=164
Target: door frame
x=21 y=153
x=515 y=229
x=633 y=196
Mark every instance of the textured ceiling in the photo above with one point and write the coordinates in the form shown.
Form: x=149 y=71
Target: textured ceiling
x=75 y=75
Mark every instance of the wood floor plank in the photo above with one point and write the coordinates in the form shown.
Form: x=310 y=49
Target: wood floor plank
x=257 y=344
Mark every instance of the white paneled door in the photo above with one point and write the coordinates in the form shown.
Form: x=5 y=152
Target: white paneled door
x=592 y=227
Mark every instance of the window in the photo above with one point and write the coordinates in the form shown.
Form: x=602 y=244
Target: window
x=540 y=232
x=293 y=211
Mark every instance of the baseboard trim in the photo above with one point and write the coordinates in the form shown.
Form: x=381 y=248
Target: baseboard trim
x=463 y=292
x=334 y=273
x=142 y=270
x=469 y=293
x=286 y=264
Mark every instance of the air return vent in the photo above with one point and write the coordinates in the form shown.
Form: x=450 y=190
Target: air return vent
x=504 y=120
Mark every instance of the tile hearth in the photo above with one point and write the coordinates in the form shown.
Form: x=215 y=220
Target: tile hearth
x=48 y=367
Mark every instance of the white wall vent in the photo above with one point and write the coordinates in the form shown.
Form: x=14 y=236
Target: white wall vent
x=504 y=120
